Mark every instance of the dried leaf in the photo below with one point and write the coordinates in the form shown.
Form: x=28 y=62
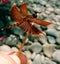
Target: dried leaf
x=23 y=9
x=25 y=21
x=16 y=15
x=40 y=22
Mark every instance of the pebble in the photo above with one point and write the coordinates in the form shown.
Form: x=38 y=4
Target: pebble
x=57 y=27
x=37 y=59
x=56 y=55
x=48 y=49
x=43 y=39
x=31 y=1
x=36 y=47
x=48 y=61
x=52 y=32
x=47 y=12
x=37 y=9
x=28 y=54
x=42 y=2
x=57 y=11
x=41 y=15
x=14 y=49
x=48 y=5
x=33 y=55
x=58 y=40
x=58 y=3
x=56 y=18
x=21 y=0
x=5 y=48
x=17 y=30
x=11 y=40
x=40 y=59
x=51 y=39
x=29 y=62
x=50 y=9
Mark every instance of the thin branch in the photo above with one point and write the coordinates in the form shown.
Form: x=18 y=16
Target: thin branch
x=22 y=45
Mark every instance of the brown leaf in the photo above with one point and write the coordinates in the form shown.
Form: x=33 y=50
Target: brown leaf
x=40 y=22
x=23 y=9
x=25 y=20
x=16 y=15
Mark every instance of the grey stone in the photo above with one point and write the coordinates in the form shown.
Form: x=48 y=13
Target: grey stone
x=56 y=18
x=37 y=59
x=56 y=55
x=28 y=54
x=57 y=11
x=52 y=32
x=30 y=62
x=17 y=31
x=43 y=39
x=36 y=47
x=14 y=49
x=5 y=48
x=58 y=40
x=47 y=12
x=43 y=2
x=33 y=56
x=57 y=27
x=11 y=40
x=51 y=39
x=50 y=9
x=48 y=5
x=48 y=49
x=48 y=61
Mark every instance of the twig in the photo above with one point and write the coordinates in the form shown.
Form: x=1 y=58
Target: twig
x=22 y=45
